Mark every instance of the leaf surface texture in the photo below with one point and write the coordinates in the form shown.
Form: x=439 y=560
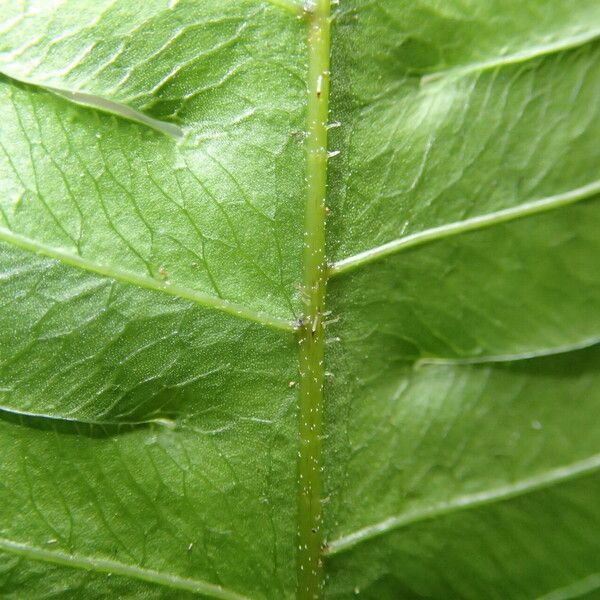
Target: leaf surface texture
x=158 y=161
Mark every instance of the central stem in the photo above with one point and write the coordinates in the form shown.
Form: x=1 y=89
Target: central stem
x=312 y=336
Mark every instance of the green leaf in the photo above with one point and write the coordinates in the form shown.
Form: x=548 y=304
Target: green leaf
x=299 y=301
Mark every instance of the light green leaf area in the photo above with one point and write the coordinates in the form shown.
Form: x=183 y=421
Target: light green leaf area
x=182 y=206
x=180 y=414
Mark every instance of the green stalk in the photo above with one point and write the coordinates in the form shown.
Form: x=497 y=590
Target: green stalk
x=312 y=337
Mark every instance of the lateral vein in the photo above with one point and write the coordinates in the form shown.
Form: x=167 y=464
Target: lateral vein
x=143 y=281
x=524 y=210
x=576 y=589
x=101 y=565
x=105 y=105
x=507 y=358
x=63 y=419
x=532 y=53
x=550 y=478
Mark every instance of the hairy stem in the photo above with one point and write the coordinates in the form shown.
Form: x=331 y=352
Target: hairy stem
x=312 y=341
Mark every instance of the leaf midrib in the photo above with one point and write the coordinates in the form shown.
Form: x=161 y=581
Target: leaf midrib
x=311 y=339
